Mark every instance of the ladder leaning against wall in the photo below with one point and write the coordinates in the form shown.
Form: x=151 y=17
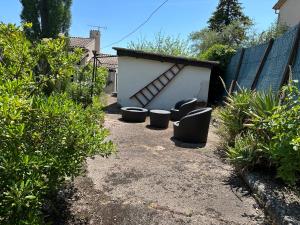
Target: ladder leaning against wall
x=149 y=92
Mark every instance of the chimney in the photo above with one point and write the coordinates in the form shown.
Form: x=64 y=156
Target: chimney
x=96 y=35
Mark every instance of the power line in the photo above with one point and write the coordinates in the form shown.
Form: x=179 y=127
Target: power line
x=139 y=27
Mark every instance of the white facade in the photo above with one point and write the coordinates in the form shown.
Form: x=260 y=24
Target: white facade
x=89 y=44
x=289 y=12
x=90 y=47
x=136 y=73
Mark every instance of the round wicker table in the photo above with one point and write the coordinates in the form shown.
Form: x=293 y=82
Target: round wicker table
x=159 y=118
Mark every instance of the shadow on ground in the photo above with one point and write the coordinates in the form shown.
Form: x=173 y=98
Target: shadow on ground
x=58 y=211
x=237 y=185
x=155 y=128
x=112 y=108
x=181 y=144
x=98 y=208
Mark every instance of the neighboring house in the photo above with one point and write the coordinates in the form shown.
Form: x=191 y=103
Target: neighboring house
x=111 y=63
x=288 y=12
x=90 y=44
x=158 y=81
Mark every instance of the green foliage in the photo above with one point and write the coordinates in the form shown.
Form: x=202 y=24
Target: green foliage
x=274 y=31
x=48 y=62
x=16 y=55
x=55 y=64
x=45 y=137
x=262 y=105
x=279 y=130
x=226 y=13
x=284 y=146
x=245 y=153
x=233 y=35
x=163 y=44
x=80 y=88
x=263 y=130
x=233 y=115
x=227 y=26
x=218 y=52
x=48 y=18
x=44 y=141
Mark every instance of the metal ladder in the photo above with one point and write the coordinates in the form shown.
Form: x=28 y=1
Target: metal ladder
x=154 y=88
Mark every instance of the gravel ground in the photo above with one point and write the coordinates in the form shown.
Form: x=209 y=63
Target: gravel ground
x=154 y=180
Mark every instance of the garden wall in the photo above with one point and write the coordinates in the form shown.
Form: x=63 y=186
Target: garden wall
x=266 y=66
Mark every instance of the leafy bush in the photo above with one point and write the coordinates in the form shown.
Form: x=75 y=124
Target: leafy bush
x=45 y=136
x=43 y=141
x=47 y=65
x=233 y=115
x=163 y=44
x=234 y=35
x=81 y=86
x=245 y=153
x=56 y=65
x=279 y=132
x=262 y=130
x=218 y=52
x=274 y=31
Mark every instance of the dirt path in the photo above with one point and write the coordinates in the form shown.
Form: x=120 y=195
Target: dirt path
x=154 y=180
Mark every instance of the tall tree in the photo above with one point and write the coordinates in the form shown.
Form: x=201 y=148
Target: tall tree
x=227 y=12
x=234 y=35
x=49 y=18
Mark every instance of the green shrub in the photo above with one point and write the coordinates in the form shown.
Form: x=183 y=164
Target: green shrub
x=262 y=130
x=234 y=35
x=275 y=30
x=279 y=134
x=284 y=147
x=163 y=44
x=263 y=104
x=45 y=136
x=233 y=115
x=43 y=141
x=245 y=153
x=219 y=52
x=81 y=86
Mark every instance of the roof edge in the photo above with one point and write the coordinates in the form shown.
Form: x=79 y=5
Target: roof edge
x=279 y=4
x=82 y=37
x=164 y=58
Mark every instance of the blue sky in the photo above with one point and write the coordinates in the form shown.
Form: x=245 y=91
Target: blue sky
x=177 y=17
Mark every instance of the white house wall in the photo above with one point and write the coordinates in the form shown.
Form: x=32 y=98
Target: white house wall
x=134 y=74
x=290 y=13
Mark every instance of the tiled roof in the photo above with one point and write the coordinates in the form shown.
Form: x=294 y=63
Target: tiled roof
x=108 y=61
x=80 y=42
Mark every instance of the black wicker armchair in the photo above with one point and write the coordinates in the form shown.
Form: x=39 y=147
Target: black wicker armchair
x=182 y=108
x=193 y=128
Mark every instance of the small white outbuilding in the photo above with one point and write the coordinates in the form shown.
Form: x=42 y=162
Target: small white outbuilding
x=156 y=81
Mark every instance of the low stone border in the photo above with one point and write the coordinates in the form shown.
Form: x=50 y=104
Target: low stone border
x=280 y=211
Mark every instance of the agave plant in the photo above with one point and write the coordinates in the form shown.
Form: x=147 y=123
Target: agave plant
x=245 y=153
x=262 y=105
x=233 y=115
